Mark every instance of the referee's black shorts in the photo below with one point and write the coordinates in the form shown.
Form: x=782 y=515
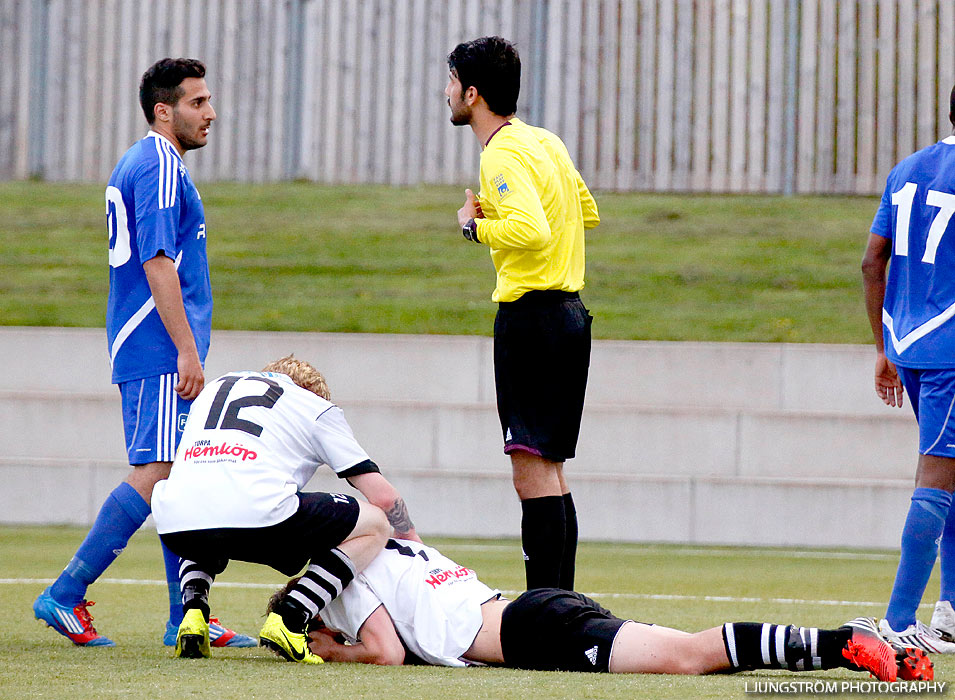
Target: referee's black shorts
x=550 y=629
x=541 y=360
x=322 y=522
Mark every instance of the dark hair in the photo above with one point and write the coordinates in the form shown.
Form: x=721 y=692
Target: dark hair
x=951 y=108
x=492 y=66
x=161 y=83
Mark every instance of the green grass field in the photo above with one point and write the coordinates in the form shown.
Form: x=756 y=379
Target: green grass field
x=687 y=587
x=304 y=257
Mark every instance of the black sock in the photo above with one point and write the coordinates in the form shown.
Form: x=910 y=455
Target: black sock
x=543 y=532
x=568 y=562
x=295 y=615
x=324 y=580
x=194 y=584
x=751 y=645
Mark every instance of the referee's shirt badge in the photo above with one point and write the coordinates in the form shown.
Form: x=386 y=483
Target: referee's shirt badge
x=501 y=184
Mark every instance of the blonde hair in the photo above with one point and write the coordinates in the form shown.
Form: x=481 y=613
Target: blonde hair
x=302 y=374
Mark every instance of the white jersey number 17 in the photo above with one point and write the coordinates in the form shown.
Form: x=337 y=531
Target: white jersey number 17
x=903 y=199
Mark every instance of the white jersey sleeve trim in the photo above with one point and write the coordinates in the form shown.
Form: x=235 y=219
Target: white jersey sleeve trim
x=169 y=161
x=134 y=321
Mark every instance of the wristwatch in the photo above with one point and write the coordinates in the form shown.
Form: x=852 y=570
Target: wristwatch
x=469 y=230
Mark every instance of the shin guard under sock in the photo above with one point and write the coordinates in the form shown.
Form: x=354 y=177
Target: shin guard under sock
x=568 y=561
x=121 y=514
x=926 y=519
x=752 y=645
x=543 y=535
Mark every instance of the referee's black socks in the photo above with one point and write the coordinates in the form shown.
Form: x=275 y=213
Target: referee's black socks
x=543 y=537
x=568 y=562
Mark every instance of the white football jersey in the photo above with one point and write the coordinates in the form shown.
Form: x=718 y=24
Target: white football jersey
x=251 y=442
x=434 y=602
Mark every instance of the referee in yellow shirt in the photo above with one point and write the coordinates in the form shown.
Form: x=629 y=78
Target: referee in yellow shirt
x=532 y=211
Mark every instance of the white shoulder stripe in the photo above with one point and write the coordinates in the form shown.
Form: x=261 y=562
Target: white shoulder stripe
x=175 y=175
x=168 y=172
x=172 y=174
x=169 y=176
x=162 y=173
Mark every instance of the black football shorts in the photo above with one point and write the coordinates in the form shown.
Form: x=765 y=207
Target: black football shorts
x=322 y=522
x=550 y=629
x=541 y=361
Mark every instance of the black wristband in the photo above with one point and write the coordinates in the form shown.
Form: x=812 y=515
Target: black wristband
x=469 y=230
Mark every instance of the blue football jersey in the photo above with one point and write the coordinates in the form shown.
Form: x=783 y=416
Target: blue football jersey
x=916 y=212
x=152 y=208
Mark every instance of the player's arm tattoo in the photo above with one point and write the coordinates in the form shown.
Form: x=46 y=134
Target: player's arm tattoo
x=398 y=516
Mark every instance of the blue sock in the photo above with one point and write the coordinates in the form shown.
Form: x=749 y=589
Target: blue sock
x=172 y=582
x=923 y=528
x=121 y=514
x=946 y=558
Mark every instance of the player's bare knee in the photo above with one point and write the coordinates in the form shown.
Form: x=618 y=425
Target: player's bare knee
x=696 y=655
x=685 y=656
x=684 y=665
x=382 y=528
x=372 y=522
x=144 y=476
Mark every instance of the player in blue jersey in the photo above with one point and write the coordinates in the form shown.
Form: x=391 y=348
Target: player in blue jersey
x=158 y=322
x=911 y=311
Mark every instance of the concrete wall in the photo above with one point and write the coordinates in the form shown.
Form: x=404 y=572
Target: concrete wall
x=768 y=444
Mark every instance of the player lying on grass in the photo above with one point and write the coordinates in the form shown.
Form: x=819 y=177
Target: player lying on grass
x=413 y=604
x=254 y=439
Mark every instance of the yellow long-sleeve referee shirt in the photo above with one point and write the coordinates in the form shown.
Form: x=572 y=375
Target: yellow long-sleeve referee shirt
x=536 y=207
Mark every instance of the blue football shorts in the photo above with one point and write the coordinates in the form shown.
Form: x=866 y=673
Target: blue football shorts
x=932 y=395
x=153 y=418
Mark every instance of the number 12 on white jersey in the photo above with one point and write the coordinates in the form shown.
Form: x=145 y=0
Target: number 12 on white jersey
x=903 y=199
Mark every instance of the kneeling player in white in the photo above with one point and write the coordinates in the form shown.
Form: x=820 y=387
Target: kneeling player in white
x=254 y=439
x=414 y=604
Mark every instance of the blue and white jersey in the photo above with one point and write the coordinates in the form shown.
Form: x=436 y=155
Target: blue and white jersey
x=153 y=207
x=916 y=212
